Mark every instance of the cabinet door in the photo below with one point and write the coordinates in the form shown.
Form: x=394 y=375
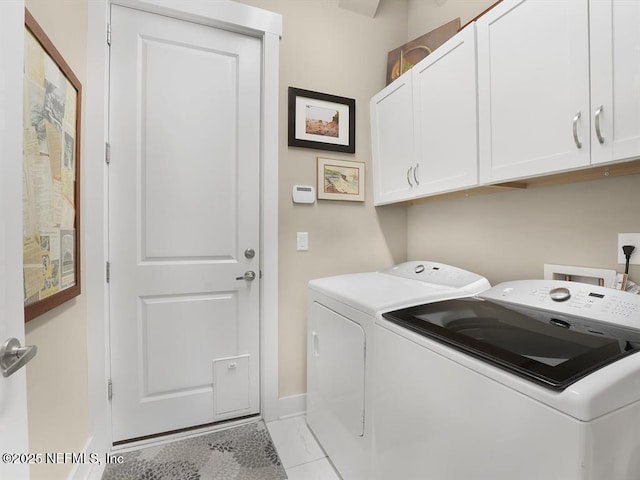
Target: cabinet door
x=615 y=80
x=446 y=122
x=392 y=142
x=533 y=80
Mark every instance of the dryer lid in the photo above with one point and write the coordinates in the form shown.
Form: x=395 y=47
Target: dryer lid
x=405 y=284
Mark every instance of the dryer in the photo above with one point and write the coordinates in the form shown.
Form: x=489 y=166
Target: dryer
x=341 y=313
x=535 y=379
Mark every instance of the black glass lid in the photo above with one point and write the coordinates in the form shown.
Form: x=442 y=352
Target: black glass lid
x=542 y=347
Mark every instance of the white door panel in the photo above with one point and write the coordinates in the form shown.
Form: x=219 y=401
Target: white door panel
x=615 y=80
x=531 y=87
x=183 y=207
x=336 y=358
x=177 y=196
x=392 y=141
x=13 y=390
x=446 y=123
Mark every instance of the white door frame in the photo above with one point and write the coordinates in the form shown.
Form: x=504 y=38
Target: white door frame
x=222 y=13
x=13 y=398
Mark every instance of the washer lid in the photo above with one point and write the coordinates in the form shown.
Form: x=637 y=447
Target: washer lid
x=542 y=346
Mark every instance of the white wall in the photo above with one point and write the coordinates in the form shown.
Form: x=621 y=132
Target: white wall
x=57 y=394
x=328 y=49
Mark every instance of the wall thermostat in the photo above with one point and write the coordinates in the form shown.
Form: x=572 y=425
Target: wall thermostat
x=304 y=194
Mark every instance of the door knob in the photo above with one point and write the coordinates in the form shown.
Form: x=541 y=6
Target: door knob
x=13 y=357
x=249 y=253
x=249 y=276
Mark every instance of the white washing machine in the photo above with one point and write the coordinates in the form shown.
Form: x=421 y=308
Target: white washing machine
x=341 y=312
x=530 y=380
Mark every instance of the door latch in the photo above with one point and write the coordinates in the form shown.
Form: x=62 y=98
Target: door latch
x=249 y=276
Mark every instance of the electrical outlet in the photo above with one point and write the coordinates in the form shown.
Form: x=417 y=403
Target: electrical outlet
x=629 y=239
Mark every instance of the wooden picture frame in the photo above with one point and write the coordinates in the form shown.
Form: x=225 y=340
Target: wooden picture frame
x=340 y=179
x=321 y=121
x=51 y=175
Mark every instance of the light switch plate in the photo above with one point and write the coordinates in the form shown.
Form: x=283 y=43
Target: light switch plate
x=629 y=239
x=302 y=241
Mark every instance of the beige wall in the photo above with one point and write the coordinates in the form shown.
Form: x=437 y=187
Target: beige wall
x=511 y=235
x=328 y=49
x=426 y=15
x=57 y=376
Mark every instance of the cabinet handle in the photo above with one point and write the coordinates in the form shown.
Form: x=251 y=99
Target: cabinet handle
x=409 y=177
x=575 y=130
x=598 y=132
x=415 y=174
x=316 y=344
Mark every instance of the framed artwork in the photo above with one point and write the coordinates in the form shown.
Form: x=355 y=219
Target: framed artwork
x=51 y=175
x=340 y=180
x=321 y=121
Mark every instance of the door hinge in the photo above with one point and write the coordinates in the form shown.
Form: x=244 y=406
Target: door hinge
x=109 y=34
x=107 y=152
x=109 y=389
x=108 y=272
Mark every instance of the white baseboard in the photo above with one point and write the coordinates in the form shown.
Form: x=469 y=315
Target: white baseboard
x=88 y=470
x=292 y=406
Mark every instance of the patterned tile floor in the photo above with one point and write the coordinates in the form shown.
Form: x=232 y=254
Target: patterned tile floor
x=301 y=456
x=244 y=452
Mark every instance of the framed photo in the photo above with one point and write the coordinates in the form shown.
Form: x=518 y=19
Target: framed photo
x=340 y=180
x=321 y=121
x=51 y=175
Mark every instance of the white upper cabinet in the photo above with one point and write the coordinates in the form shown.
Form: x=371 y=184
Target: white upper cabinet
x=446 y=116
x=615 y=80
x=424 y=126
x=534 y=87
x=392 y=142
x=533 y=81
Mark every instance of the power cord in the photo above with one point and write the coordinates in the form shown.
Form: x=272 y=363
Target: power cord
x=627 y=250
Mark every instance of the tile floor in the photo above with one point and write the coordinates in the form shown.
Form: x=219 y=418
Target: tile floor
x=301 y=456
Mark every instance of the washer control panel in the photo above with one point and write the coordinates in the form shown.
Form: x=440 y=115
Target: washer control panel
x=571 y=298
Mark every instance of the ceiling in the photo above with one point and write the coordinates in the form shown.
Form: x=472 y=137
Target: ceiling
x=364 y=7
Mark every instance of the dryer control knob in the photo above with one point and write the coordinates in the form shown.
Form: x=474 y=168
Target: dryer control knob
x=560 y=294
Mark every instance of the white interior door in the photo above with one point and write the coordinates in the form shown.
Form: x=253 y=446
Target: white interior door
x=13 y=391
x=184 y=201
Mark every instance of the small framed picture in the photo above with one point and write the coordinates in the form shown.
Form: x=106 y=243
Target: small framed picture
x=321 y=121
x=340 y=180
